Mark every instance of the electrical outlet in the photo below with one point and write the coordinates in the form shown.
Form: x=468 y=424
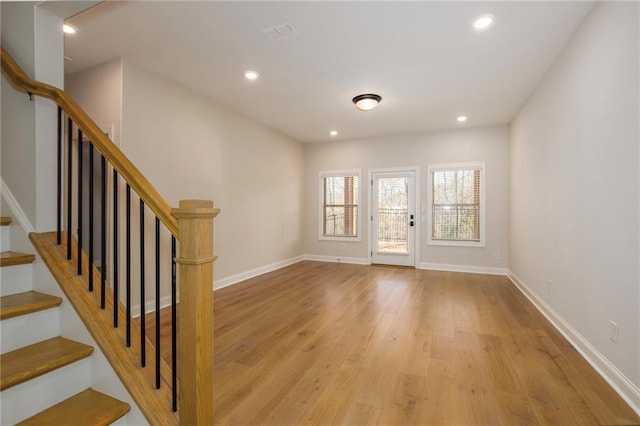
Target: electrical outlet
x=613 y=331
x=497 y=255
x=549 y=287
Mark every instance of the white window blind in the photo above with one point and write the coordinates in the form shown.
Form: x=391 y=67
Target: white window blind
x=340 y=195
x=456 y=204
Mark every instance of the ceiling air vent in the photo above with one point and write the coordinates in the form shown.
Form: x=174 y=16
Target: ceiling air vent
x=284 y=29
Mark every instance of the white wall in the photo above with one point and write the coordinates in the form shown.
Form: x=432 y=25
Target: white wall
x=34 y=38
x=189 y=147
x=99 y=92
x=575 y=184
x=17 y=147
x=449 y=146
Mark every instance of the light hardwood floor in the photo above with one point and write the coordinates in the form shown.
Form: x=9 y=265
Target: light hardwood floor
x=329 y=344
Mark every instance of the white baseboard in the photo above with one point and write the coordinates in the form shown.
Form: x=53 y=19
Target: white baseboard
x=463 y=268
x=151 y=306
x=234 y=279
x=165 y=301
x=622 y=385
x=15 y=208
x=338 y=259
x=225 y=282
x=422 y=265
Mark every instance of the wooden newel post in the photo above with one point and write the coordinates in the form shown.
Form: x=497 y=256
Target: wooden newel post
x=195 y=310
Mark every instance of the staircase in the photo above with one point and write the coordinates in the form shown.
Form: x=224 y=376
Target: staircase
x=146 y=382
x=44 y=377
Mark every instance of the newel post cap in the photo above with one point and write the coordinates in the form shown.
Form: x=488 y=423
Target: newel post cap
x=200 y=209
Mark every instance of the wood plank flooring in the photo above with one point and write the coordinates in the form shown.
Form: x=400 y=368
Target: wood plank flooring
x=330 y=344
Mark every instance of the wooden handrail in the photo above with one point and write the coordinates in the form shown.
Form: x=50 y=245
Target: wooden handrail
x=107 y=148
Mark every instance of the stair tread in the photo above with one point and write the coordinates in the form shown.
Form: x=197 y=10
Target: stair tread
x=11 y=258
x=25 y=303
x=5 y=221
x=23 y=364
x=88 y=407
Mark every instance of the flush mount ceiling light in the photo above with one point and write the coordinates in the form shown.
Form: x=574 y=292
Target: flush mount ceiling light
x=462 y=119
x=367 y=102
x=333 y=133
x=483 y=22
x=251 y=75
x=69 y=29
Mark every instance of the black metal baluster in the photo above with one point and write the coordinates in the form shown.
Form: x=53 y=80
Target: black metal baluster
x=103 y=232
x=79 y=252
x=174 y=373
x=157 y=303
x=59 y=179
x=114 y=279
x=69 y=183
x=128 y=272
x=143 y=346
x=90 y=216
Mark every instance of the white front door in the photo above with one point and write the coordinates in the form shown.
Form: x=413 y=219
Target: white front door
x=393 y=217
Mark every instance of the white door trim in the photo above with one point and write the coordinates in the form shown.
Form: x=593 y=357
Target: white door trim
x=418 y=207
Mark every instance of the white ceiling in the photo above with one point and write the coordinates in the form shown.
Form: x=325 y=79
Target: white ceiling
x=424 y=58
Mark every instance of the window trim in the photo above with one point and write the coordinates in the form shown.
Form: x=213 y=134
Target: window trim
x=481 y=165
x=338 y=173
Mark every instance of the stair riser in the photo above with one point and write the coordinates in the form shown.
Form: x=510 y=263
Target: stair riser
x=5 y=238
x=29 y=329
x=16 y=279
x=25 y=400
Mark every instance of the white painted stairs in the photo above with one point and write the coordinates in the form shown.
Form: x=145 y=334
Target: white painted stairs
x=44 y=377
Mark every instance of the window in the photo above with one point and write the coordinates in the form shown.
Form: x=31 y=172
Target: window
x=339 y=201
x=456 y=201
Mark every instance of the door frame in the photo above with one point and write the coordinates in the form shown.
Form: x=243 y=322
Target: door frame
x=418 y=208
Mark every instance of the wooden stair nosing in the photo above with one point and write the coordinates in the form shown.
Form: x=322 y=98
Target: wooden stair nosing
x=5 y=220
x=88 y=407
x=31 y=361
x=11 y=258
x=25 y=303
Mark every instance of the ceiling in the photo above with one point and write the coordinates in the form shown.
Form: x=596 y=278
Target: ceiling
x=424 y=58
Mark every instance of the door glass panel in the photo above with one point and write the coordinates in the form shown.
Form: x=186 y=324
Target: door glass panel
x=393 y=214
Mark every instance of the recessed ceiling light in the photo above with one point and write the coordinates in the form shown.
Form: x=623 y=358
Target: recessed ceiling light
x=483 y=21
x=367 y=102
x=461 y=118
x=69 y=29
x=333 y=133
x=251 y=75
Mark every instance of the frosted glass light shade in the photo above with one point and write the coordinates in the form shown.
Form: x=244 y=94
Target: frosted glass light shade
x=367 y=102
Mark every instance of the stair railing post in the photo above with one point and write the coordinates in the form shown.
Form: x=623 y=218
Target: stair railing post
x=195 y=311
